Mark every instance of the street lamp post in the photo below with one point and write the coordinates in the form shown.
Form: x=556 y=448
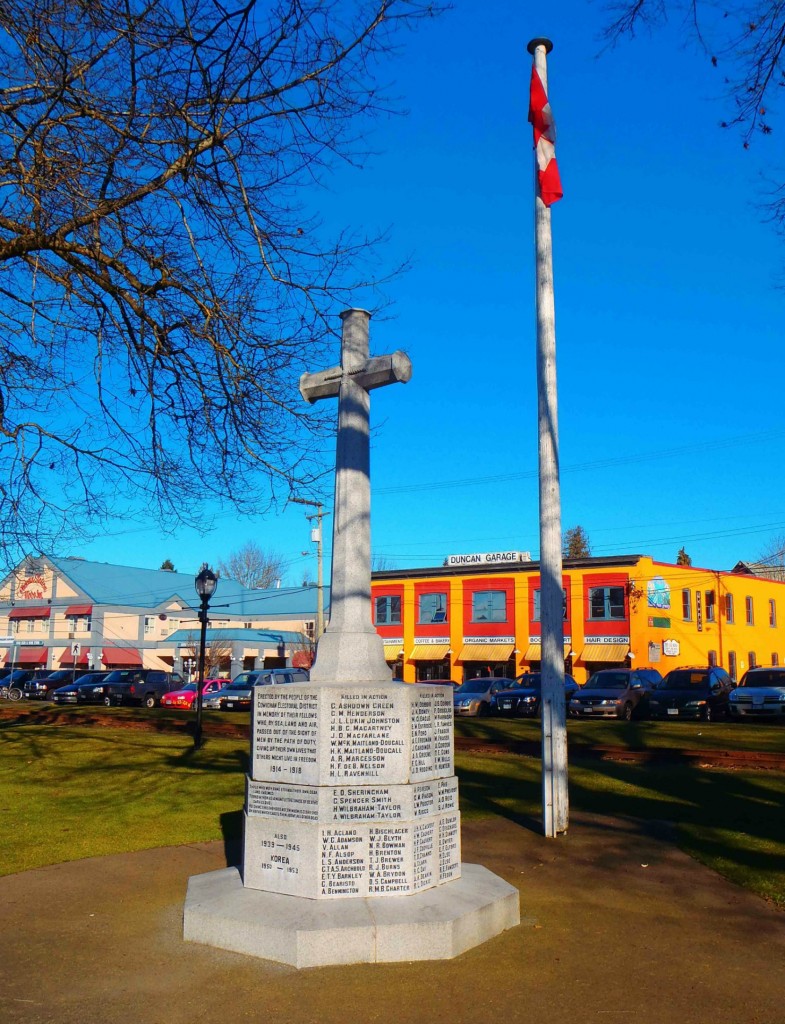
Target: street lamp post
x=205 y=582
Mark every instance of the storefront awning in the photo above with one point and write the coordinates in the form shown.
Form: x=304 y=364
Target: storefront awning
x=31 y=656
x=391 y=651
x=67 y=660
x=605 y=652
x=429 y=652
x=31 y=613
x=486 y=652
x=79 y=609
x=122 y=656
x=534 y=651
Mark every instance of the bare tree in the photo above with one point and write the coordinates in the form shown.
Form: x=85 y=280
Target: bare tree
x=771 y=561
x=252 y=567
x=575 y=543
x=162 y=283
x=743 y=42
x=216 y=653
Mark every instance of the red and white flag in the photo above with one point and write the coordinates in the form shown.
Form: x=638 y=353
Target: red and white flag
x=541 y=118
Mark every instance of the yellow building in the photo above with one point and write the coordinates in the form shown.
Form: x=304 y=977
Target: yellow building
x=479 y=615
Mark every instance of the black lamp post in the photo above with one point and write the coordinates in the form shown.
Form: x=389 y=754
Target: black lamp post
x=206 y=582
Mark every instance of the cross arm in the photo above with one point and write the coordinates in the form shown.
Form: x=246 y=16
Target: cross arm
x=373 y=373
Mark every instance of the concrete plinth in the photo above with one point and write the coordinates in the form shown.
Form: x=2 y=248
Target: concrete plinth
x=437 y=924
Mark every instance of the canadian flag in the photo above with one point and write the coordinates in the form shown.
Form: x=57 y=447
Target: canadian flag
x=541 y=118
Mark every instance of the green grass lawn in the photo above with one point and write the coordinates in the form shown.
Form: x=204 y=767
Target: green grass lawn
x=77 y=790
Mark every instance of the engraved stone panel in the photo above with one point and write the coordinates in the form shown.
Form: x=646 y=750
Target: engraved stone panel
x=330 y=861
x=328 y=804
x=318 y=734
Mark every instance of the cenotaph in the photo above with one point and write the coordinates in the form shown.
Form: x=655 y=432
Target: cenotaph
x=351 y=850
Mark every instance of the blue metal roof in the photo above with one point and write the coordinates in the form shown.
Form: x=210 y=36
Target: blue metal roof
x=127 y=585
x=259 y=637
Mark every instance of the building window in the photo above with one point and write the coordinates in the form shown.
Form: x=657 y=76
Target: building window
x=753 y=663
x=750 y=611
x=686 y=605
x=732 y=665
x=710 y=603
x=712 y=659
x=606 y=603
x=73 y=623
x=489 y=606
x=772 y=613
x=388 y=610
x=729 y=615
x=536 y=613
x=30 y=625
x=432 y=608
x=310 y=628
x=149 y=625
x=775 y=659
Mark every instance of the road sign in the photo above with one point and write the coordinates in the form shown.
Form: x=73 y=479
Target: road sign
x=75 y=649
x=29 y=643
x=7 y=639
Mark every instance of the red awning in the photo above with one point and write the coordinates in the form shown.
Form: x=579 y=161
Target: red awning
x=31 y=656
x=67 y=660
x=79 y=609
x=31 y=613
x=123 y=656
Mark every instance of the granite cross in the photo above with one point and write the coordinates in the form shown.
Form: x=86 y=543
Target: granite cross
x=350 y=650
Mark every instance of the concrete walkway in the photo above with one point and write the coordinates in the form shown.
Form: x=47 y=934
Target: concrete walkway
x=619 y=927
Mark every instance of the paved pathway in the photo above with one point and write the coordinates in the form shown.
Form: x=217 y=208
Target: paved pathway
x=620 y=927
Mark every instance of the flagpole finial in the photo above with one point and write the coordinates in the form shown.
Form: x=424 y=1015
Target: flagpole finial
x=532 y=46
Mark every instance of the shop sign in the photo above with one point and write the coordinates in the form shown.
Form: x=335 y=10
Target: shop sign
x=31 y=588
x=489 y=558
x=698 y=611
x=538 y=639
x=671 y=648
x=606 y=640
x=431 y=639
x=487 y=640
x=655 y=650
x=659 y=622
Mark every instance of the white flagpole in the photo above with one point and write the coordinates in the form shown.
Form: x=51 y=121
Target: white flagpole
x=554 y=725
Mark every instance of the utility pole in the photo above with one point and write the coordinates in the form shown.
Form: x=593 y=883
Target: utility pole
x=316 y=535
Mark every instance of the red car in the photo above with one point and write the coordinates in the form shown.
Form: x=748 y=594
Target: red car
x=185 y=698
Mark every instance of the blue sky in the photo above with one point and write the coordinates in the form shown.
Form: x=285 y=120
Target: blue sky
x=668 y=306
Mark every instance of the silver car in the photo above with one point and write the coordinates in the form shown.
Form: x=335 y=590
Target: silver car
x=760 y=694
x=473 y=698
x=237 y=695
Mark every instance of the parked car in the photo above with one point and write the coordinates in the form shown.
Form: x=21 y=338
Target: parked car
x=525 y=696
x=69 y=694
x=692 y=693
x=760 y=694
x=42 y=685
x=238 y=695
x=615 y=693
x=140 y=686
x=185 y=698
x=473 y=697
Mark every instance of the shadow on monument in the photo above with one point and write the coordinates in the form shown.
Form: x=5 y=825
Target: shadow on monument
x=232 y=832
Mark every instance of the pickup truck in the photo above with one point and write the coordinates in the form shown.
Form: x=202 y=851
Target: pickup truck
x=139 y=686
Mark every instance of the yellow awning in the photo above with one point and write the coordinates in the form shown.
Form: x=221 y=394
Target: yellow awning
x=534 y=651
x=429 y=652
x=486 y=652
x=604 y=652
x=391 y=651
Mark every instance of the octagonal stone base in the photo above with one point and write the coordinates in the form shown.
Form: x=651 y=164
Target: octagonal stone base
x=437 y=924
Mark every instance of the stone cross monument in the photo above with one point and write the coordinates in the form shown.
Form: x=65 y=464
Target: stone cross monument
x=350 y=650
x=351 y=849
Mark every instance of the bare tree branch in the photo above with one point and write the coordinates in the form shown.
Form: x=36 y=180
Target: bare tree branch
x=162 y=283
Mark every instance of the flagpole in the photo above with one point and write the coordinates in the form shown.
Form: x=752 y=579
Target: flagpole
x=554 y=725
